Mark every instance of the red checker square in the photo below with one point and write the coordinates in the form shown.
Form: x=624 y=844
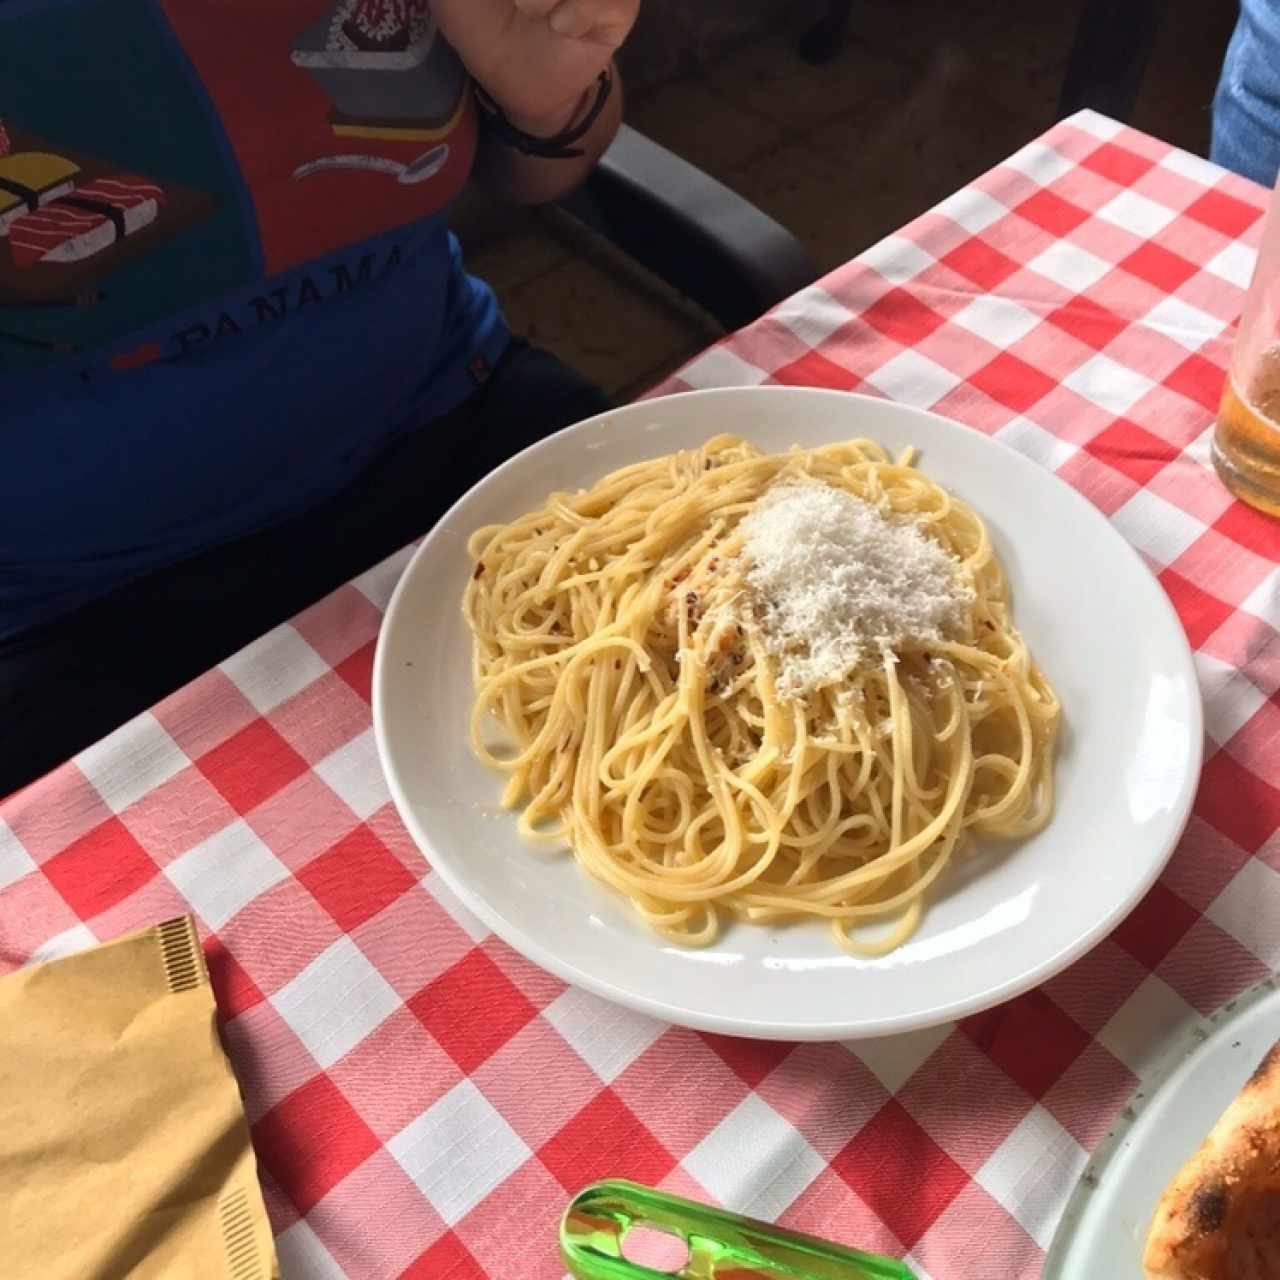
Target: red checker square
x=1201 y=613
x=54 y=812
x=1237 y=802
x=526 y=1207
x=1107 y=488
x=356 y=878
x=472 y=1009
x=826 y=1093
x=1091 y=990
x=891 y=1146
x=344 y=621
x=158 y=899
x=251 y=766
x=1224 y=213
x=515 y=1079
x=394 y=1074
x=980 y=262
x=1089 y=1096
x=1155 y=926
x=447 y=1259
x=537 y=986
x=321 y=717
x=1198 y=379
x=1159 y=266
x=189 y=793
x=395 y=1220
x=1208 y=967
x=974 y=1229
x=1258 y=742
x=103 y=867
x=1052 y=212
x=205 y=712
x=277 y=934
x=830 y=1209
x=1012 y=382
x=959 y=1069
x=233 y=990
x=1251 y=529
x=1203 y=864
x=682 y=1088
x=270 y=1061
x=750 y=1060
x=31 y=913
x=312 y=1140
x=1133 y=450
x=1030 y=1038
x=814 y=370
x=412 y=942
x=1087 y=322
x=1117 y=163
x=606 y=1139
x=357 y=670
x=302 y=820
x=902 y=316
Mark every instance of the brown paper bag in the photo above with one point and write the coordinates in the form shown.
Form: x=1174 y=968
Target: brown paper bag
x=123 y=1146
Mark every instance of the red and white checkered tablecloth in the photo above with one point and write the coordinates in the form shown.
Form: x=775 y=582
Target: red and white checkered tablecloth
x=424 y=1101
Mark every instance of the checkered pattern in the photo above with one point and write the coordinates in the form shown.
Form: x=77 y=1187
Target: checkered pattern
x=424 y=1101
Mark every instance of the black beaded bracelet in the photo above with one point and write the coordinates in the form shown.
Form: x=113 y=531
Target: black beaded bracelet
x=558 y=147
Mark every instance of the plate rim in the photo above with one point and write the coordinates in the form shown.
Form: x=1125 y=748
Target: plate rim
x=671 y=1011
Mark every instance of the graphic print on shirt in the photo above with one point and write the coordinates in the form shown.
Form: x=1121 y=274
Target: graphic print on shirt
x=159 y=158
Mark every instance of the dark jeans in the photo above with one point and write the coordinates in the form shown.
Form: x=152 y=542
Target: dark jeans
x=70 y=681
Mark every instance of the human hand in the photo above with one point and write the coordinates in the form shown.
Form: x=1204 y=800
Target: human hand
x=536 y=57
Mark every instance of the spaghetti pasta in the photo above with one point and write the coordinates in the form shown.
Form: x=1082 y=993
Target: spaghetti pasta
x=621 y=645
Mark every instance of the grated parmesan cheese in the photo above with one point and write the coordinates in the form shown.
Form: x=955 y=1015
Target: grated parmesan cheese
x=838 y=583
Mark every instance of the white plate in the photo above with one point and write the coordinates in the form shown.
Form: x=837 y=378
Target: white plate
x=1104 y=1229
x=1098 y=623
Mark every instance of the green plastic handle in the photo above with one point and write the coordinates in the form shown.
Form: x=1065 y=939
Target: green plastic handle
x=722 y=1246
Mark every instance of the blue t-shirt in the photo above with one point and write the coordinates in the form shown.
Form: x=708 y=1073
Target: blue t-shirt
x=225 y=278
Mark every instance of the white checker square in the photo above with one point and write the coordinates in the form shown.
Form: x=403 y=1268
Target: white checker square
x=607 y=1037
x=1032 y=1171
x=337 y=1000
x=355 y=776
x=1040 y=162
x=302 y=1255
x=896 y=258
x=754 y=1161
x=1001 y=321
x=1230 y=698
x=129 y=763
x=1188 y=326
x=1070 y=266
x=458 y=1150
x=1157 y=527
x=1198 y=170
x=1234 y=264
x=1264 y=600
x=1146 y=1026
x=893 y=1060
x=1136 y=213
x=377 y=584
x=15 y=861
x=459 y=912
x=1107 y=383
x=1246 y=910
x=1200 y=450
x=813 y=315
x=911 y=378
x=224 y=873
x=719 y=367
x=1093 y=122
x=1034 y=442
x=274 y=667
x=972 y=209
x=78 y=938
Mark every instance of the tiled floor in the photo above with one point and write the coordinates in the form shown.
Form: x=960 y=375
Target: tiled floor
x=925 y=95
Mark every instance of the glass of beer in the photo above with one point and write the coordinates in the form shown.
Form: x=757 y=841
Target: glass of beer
x=1246 y=443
